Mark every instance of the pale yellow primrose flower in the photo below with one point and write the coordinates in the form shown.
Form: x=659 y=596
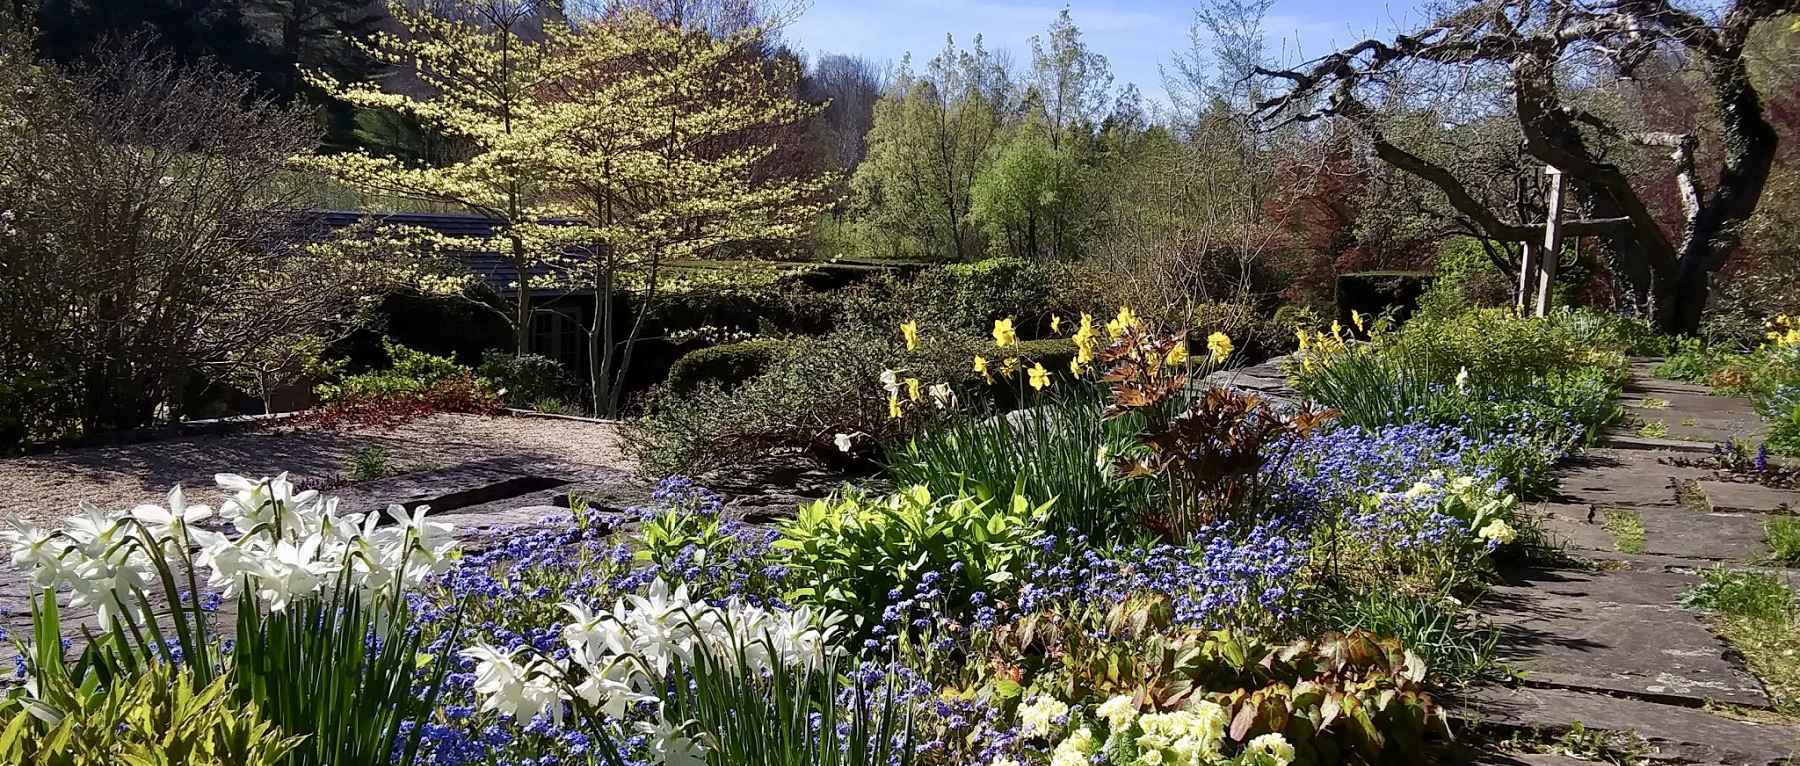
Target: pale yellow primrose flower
x=1037 y=719
x=1121 y=710
x=1274 y=747
x=1498 y=531
x=1075 y=750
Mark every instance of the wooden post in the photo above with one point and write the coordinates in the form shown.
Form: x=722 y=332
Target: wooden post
x=1528 y=267
x=1552 y=241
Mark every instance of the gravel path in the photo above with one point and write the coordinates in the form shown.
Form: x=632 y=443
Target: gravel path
x=45 y=488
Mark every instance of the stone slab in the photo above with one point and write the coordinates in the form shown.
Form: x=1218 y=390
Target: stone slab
x=1622 y=477
x=1659 y=387
x=1568 y=526
x=1517 y=759
x=1694 y=416
x=1733 y=537
x=1626 y=439
x=1750 y=498
x=1616 y=632
x=1675 y=734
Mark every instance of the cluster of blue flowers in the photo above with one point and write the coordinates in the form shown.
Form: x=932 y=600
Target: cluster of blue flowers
x=1235 y=576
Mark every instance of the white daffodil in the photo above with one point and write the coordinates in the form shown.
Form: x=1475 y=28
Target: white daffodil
x=512 y=688
x=38 y=551
x=93 y=530
x=890 y=380
x=109 y=584
x=1462 y=381
x=943 y=396
x=292 y=572
x=843 y=442
x=171 y=522
x=671 y=744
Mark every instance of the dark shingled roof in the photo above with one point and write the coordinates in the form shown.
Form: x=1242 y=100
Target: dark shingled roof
x=497 y=271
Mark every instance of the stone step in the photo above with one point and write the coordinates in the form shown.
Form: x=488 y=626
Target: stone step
x=1623 y=477
x=1668 y=531
x=1627 y=439
x=1673 y=733
x=1741 y=497
x=1616 y=632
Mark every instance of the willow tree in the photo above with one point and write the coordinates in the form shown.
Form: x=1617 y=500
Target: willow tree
x=481 y=66
x=655 y=143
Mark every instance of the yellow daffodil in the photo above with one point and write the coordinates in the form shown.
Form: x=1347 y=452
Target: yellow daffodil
x=1356 y=319
x=1040 y=377
x=1301 y=334
x=1178 y=355
x=1124 y=321
x=1010 y=367
x=1219 y=345
x=1337 y=330
x=894 y=406
x=910 y=331
x=981 y=366
x=1075 y=366
x=912 y=389
x=1003 y=333
x=1056 y=324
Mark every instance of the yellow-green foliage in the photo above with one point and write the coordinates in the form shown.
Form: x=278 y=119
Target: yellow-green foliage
x=608 y=148
x=1494 y=345
x=158 y=719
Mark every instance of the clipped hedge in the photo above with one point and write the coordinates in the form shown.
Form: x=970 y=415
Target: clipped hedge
x=811 y=390
x=727 y=365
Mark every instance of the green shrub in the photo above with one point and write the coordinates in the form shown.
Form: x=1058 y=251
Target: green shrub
x=159 y=717
x=1742 y=593
x=1784 y=425
x=725 y=366
x=1441 y=629
x=409 y=372
x=1692 y=361
x=959 y=296
x=526 y=378
x=1784 y=540
x=1060 y=450
x=854 y=552
x=1497 y=348
x=368 y=462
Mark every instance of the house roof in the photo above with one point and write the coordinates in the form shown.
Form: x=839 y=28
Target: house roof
x=497 y=271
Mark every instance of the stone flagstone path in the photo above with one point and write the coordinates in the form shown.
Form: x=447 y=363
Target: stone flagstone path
x=1606 y=644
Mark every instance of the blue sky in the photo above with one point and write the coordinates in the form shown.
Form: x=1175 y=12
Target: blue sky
x=1135 y=35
